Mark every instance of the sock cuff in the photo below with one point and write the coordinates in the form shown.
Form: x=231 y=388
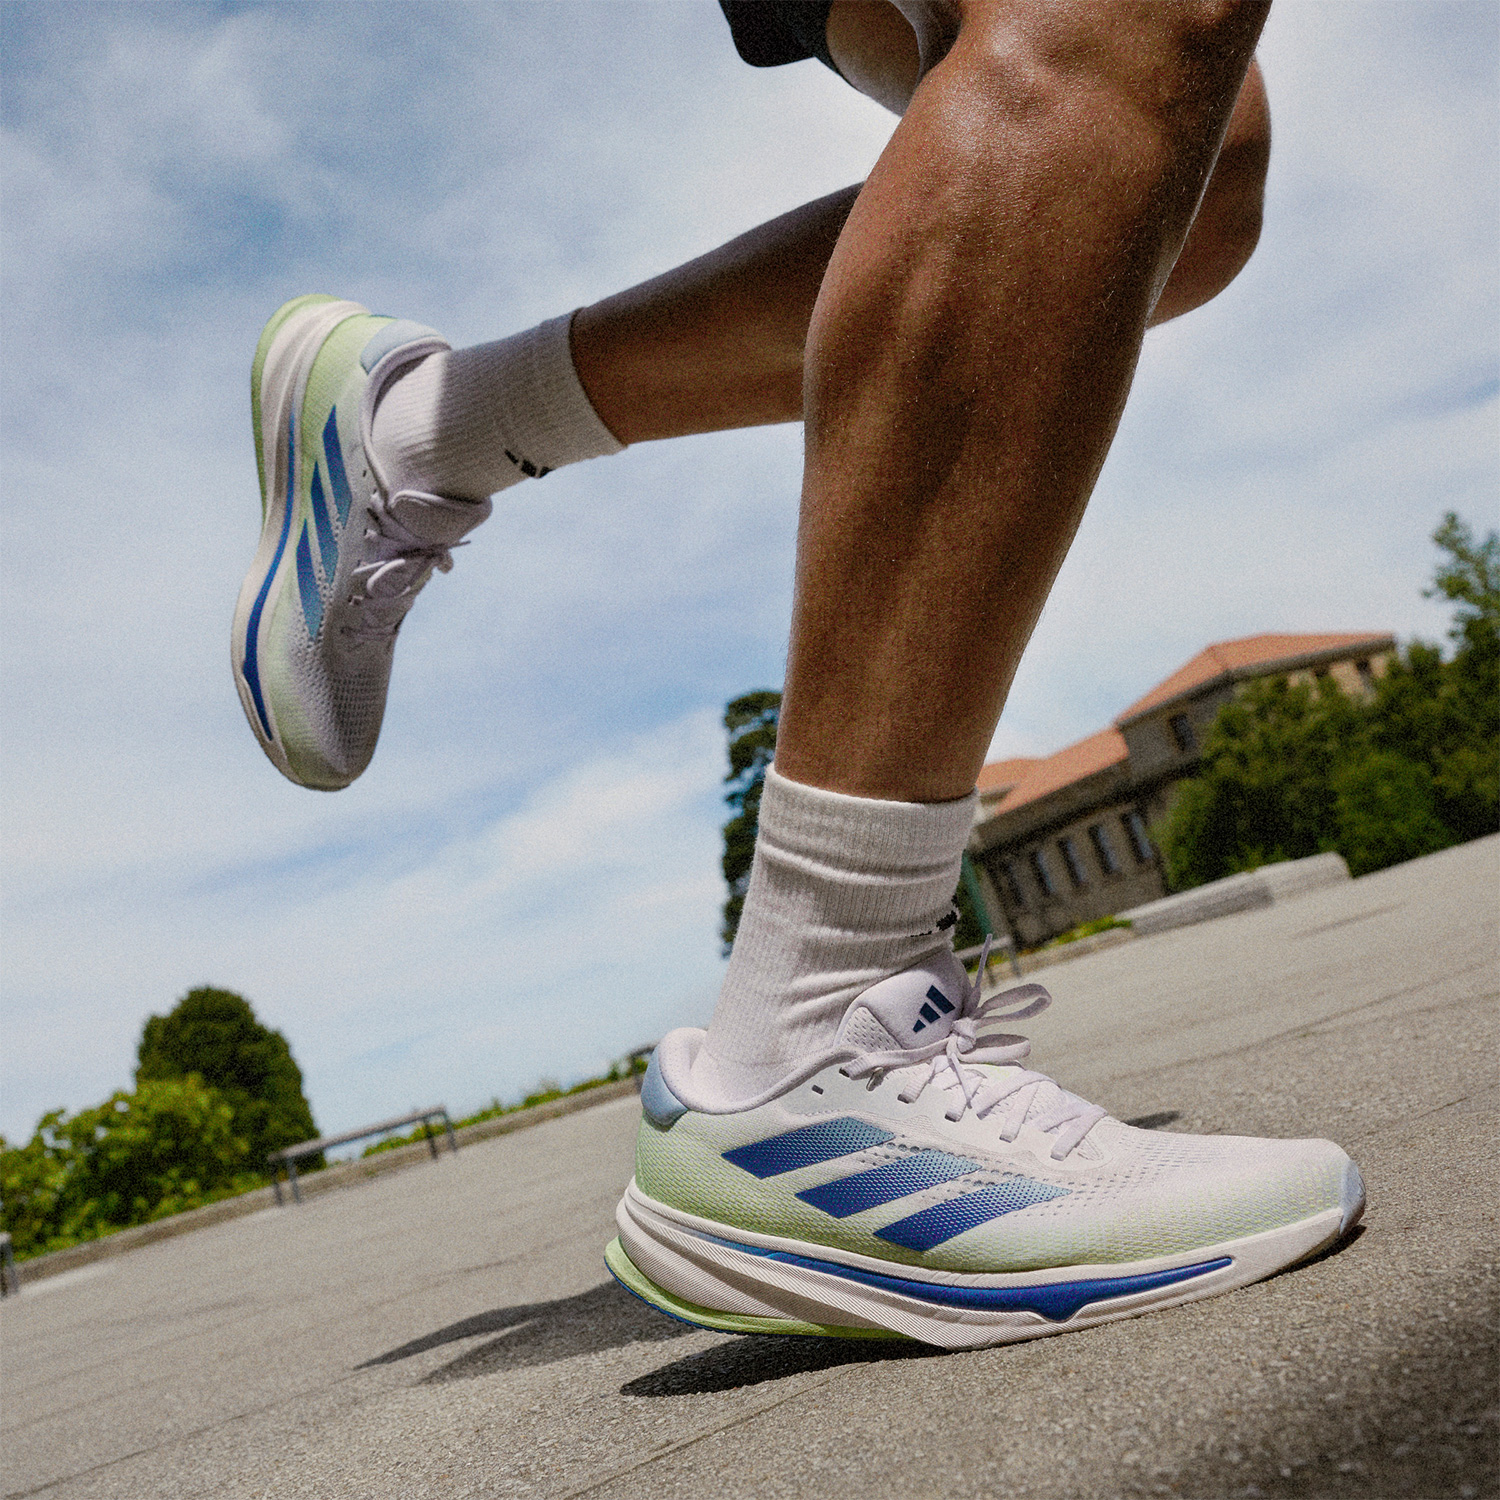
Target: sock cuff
x=866 y=834
x=548 y=402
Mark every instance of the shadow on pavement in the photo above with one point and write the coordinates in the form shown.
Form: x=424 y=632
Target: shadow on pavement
x=1419 y=1424
x=753 y=1359
x=539 y=1333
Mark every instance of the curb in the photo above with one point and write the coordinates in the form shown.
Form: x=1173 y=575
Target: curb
x=1255 y=888
x=345 y=1174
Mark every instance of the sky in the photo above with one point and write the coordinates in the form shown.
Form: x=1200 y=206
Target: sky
x=525 y=884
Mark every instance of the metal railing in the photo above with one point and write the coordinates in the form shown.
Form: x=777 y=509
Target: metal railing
x=287 y=1155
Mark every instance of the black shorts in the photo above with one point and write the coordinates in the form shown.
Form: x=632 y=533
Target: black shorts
x=768 y=33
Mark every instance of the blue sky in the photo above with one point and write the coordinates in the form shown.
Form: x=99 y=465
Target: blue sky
x=525 y=883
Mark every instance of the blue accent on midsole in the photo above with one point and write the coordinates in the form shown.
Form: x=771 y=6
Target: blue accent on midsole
x=1056 y=1301
x=252 y=652
x=338 y=478
x=307 y=585
x=884 y=1184
x=328 y=549
x=931 y=1226
x=807 y=1145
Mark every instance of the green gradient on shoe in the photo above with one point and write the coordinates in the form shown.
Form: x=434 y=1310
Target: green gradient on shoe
x=629 y=1275
x=262 y=348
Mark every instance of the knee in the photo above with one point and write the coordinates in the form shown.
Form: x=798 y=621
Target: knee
x=1158 y=75
x=1227 y=226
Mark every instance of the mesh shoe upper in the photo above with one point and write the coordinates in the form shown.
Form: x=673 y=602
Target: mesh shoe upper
x=955 y=1166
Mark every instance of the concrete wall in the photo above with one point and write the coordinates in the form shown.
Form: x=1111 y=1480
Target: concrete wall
x=1038 y=914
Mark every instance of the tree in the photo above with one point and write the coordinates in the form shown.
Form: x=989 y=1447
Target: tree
x=169 y=1146
x=1264 y=789
x=751 y=723
x=1447 y=715
x=214 y=1034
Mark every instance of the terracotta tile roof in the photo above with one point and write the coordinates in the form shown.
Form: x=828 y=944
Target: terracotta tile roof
x=1000 y=774
x=1097 y=753
x=1028 y=778
x=1231 y=658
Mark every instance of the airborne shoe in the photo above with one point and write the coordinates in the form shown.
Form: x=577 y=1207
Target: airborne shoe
x=917 y=1180
x=340 y=559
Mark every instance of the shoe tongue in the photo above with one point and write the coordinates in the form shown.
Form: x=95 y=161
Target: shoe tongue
x=436 y=520
x=909 y=1009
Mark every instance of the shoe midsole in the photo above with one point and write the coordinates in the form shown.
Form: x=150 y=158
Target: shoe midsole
x=282 y=384
x=717 y=1266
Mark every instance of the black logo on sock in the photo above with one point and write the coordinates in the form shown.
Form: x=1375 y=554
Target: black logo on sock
x=525 y=465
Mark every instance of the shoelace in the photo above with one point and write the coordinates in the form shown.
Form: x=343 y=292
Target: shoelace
x=398 y=565
x=951 y=1060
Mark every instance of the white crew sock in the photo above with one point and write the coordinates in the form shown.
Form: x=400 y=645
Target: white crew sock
x=469 y=422
x=844 y=891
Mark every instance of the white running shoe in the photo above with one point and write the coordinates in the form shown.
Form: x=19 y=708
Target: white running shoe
x=340 y=559
x=917 y=1180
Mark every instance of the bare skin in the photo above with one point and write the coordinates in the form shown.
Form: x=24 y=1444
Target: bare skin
x=717 y=343
x=959 y=336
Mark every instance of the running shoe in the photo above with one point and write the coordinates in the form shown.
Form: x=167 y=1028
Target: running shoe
x=918 y=1181
x=341 y=559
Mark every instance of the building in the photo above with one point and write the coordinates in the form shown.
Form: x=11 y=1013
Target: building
x=1063 y=839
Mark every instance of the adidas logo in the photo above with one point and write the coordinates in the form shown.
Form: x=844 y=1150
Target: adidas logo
x=936 y=1003
x=901 y=1176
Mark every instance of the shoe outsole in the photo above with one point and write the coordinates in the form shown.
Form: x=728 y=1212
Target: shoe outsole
x=683 y=1266
x=638 y=1284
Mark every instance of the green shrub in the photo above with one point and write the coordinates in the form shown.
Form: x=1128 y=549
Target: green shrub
x=169 y=1146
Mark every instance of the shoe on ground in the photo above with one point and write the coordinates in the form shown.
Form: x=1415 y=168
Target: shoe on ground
x=918 y=1181
x=340 y=559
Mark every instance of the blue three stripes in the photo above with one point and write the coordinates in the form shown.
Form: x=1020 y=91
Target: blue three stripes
x=830 y=1139
x=322 y=525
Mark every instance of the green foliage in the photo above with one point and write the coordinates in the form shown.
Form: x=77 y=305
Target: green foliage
x=1385 y=811
x=1084 y=930
x=214 y=1034
x=1289 y=771
x=169 y=1146
x=215 y=1091
x=751 y=723
x=1264 y=788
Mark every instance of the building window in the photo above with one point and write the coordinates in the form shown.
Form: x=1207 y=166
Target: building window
x=1182 y=733
x=1042 y=873
x=1135 y=830
x=1107 y=861
x=1074 y=864
x=1011 y=879
x=1366 y=674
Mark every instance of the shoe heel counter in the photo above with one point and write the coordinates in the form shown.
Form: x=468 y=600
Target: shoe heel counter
x=658 y=1103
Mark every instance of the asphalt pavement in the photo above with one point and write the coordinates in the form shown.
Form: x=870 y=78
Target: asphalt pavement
x=450 y=1331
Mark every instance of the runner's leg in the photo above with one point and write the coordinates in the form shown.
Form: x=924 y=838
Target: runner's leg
x=967 y=361
x=717 y=343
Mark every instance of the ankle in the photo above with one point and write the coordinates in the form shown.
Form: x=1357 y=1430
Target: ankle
x=469 y=422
